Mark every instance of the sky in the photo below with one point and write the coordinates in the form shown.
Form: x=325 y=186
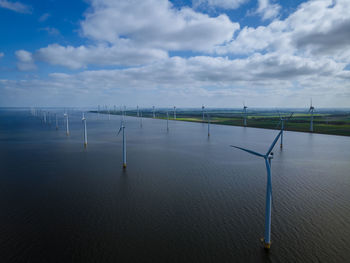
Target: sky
x=220 y=53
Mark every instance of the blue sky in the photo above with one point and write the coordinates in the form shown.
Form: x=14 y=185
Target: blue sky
x=185 y=53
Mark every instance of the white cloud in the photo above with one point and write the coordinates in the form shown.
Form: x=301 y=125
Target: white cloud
x=82 y=56
x=315 y=27
x=25 y=60
x=225 y=4
x=16 y=6
x=141 y=32
x=267 y=10
x=51 y=31
x=44 y=17
x=155 y=24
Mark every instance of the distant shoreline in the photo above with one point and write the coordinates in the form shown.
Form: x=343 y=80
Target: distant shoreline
x=326 y=123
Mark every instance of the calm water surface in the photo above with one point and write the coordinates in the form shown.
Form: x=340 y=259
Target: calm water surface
x=183 y=197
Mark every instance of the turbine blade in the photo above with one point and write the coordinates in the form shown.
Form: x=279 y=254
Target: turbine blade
x=248 y=151
x=120 y=129
x=273 y=143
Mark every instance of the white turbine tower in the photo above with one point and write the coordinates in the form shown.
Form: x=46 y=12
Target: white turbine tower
x=203 y=113
x=245 y=114
x=141 y=119
x=56 y=121
x=174 y=112
x=311 y=111
x=67 y=123
x=208 y=124
x=268 y=156
x=154 y=113
x=138 y=112
x=122 y=128
x=85 y=131
x=167 y=120
x=283 y=121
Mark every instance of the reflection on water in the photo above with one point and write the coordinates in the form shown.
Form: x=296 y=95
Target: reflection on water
x=183 y=197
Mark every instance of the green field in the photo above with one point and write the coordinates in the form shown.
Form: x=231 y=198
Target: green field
x=325 y=122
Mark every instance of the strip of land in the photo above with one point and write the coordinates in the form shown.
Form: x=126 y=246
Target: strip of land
x=325 y=122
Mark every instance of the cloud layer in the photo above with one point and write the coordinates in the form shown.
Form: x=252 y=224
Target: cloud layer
x=306 y=54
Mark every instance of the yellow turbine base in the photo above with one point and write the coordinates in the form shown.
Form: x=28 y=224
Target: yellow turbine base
x=124 y=165
x=266 y=245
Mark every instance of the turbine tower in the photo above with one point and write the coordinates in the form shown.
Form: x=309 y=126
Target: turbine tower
x=141 y=119
x=122 y=128
x=85 y=131
x=67 y=123
x=56 y=121
x=154 y=113
x=311 y=111
x=283 y=121
x=203 y=113
x=138 y=112
x=174 y=112
x=167 y=120
x=208 y=124
x=244 y=115
x=267 y=157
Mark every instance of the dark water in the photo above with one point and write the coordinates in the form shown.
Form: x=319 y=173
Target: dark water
x=183 y=197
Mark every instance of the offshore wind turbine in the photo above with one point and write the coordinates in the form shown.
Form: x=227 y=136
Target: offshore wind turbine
x=174 y=112
x=138 y=112
x=67 y=123
x=244 y=115
x=267 y=157
x=208 y=124
x=141 y=119
x=311 y=111
x=122 y=128
x=283 y=121
x=167 y=120
x=44 y=116
x=56 y=121
x=154 y=113
x=203 y=113
x=85 y=131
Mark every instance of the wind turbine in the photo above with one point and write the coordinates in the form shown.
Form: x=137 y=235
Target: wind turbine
x=154 y=113
x=67 y=124
x=138 y=113
x=56 y=121
x=174 y=112
x=245 y=114
x=268 y=156
x=122 y=128
x=85 y=131
x=203 y=113
x=167 y=120
x=141 y=119
x=208 y=124
x=311 y=111
x=283 y=121
x=44 y=116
